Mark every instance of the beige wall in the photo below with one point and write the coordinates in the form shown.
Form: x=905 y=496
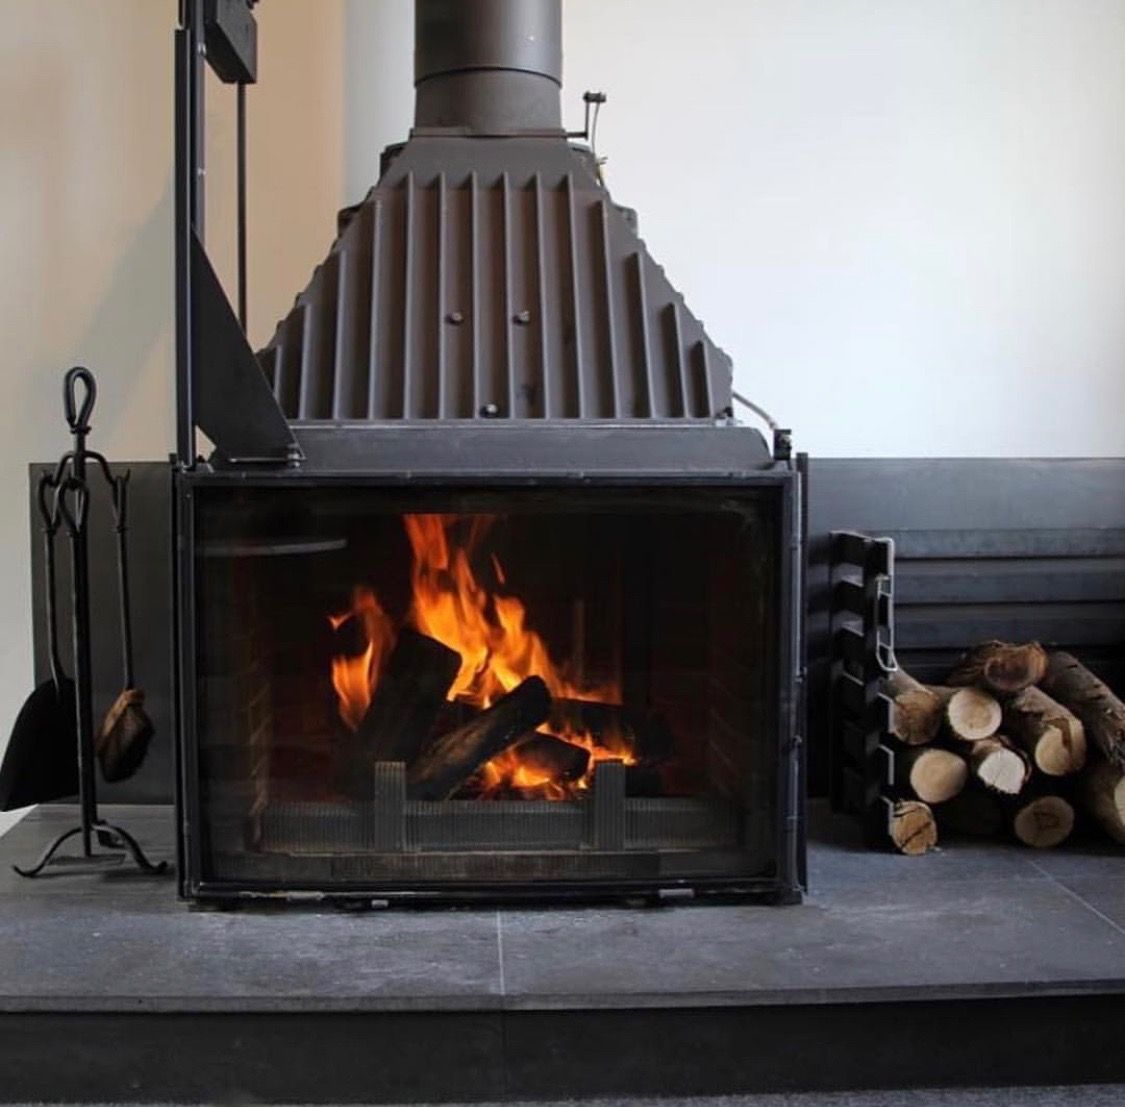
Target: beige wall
x=85 y=222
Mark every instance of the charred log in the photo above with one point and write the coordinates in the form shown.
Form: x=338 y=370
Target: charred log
x=410 y=694
x=554 y=758
x=449 y=760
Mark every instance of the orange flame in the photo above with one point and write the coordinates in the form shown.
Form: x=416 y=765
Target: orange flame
x=355 y=677
x=488 y=629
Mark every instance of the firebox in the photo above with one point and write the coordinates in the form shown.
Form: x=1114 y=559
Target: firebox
x=483 y=590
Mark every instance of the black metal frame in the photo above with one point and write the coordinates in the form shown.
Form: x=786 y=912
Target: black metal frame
x=862 y=635
x=221 y=389
x=784 y=481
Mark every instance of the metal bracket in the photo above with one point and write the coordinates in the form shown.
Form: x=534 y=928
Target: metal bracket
x=231 y=36
x=232 y=400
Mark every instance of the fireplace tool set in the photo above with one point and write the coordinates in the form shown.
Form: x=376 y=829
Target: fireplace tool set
x=54 y=746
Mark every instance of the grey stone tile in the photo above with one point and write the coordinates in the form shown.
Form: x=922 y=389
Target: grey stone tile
x=833 y=866
x=106 y=950
x=967 y=938
x=122 y=936
x=838 y=858
x=1088 y=860
x=1105 y=895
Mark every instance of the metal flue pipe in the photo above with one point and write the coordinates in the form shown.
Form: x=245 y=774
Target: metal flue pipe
x=488 y=67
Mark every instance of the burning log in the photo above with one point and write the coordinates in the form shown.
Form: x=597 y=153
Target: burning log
x=973 y=715
x=918 y=710
x=1103 y=795
x=1053 y=736
x=933 y=775
x=1043 y=821
x=912 y=828
x=609 y=724
x=1001 y=667
x=1101 y=712
x=999 y=766
x=552 y=757
x=448 y=761
x=408 y=698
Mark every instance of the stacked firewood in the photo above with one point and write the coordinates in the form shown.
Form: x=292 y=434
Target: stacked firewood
x=1018 y=741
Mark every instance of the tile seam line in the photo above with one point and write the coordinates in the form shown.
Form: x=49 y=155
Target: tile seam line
x=1079 y=899
x=500 y=951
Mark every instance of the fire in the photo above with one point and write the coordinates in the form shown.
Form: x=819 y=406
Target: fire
x=488 y=628
x=354 y=676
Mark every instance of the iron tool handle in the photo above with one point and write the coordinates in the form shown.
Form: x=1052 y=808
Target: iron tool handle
x=49 y=508
x=74 y=518
x=78 y=414
x=121 y=512
x=48 y=497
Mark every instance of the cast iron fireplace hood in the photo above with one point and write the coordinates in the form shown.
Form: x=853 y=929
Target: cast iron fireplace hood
x=488 y=274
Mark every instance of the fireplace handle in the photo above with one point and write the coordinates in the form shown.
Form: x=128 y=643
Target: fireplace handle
x=78 y=415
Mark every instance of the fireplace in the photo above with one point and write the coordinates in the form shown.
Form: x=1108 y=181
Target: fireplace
x=483 y=590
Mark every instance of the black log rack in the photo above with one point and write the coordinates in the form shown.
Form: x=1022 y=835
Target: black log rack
x=64 y=496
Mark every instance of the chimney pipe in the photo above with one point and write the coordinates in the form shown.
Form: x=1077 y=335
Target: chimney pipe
x=488 y=67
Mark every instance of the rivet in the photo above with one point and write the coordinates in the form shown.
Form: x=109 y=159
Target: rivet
x=490 y=411
x=523 y=318
x=455 y=317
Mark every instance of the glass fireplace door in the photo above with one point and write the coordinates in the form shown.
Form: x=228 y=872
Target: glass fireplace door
x=416 y=688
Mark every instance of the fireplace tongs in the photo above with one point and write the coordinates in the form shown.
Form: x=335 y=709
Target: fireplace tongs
x=72 y=504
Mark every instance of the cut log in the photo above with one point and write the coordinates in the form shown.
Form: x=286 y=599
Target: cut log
x=999 y=766
x=973 y=715
x=1001 y=667
x=408 y=698
x=1103 y=796
x=551 y=757
x=974 y=813
x=449 y=760
x=613 y=726
x=1043 y=822
x=1101 y=712
x=912 y=828
x=932 y=775
x=918 y=710
x=1052 y=736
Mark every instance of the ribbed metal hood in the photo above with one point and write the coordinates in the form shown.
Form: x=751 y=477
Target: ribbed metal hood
x=489 y=274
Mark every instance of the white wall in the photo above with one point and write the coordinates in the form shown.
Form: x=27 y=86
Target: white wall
x=904 y=219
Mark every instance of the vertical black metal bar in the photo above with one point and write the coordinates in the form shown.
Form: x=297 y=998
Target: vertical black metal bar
x=189 y=212
x=80 y=627
x=790 y=738
x=803 y=671
x=242 y=263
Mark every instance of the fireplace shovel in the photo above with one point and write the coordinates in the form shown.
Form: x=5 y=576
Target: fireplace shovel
x=126 y=730
x=41 y=761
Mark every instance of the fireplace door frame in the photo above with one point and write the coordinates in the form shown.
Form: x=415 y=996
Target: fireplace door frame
x=663 y=471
